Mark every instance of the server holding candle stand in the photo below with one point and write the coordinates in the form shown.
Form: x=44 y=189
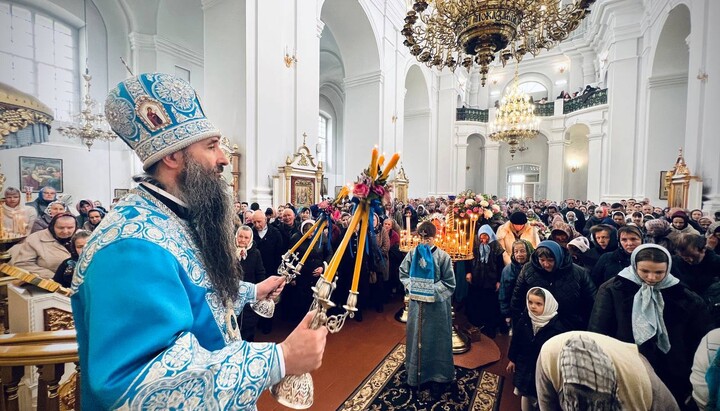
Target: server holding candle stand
x=428 y=277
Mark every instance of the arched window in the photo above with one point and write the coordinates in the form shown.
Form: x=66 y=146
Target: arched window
x=38 y=55
x=324 y=140
x=523 y=181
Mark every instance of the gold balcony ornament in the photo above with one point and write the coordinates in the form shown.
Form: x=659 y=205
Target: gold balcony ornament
x=90 y=124
x=448 y=33
x=515 y=119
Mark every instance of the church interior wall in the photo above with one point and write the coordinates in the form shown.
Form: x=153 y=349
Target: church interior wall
x=236 y=65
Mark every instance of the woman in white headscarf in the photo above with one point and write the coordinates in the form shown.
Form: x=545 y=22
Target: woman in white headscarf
x=646 y=305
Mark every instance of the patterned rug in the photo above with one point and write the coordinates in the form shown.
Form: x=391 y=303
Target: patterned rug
x=386 y=389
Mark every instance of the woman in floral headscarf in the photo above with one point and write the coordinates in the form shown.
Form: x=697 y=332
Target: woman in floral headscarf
x=646 y=305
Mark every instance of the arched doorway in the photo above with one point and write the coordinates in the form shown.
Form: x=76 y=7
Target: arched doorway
x=536 y=154
x=416 y=132
x=475 y=163
x=357 y=47
x=332 y=108
x=667 y=99
x=576 y=161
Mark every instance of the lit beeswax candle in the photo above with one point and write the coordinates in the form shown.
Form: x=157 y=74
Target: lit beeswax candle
x=360 y=252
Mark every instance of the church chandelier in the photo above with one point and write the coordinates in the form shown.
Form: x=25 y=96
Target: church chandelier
x=515 y=119
x=90 y=125
x=448 y=33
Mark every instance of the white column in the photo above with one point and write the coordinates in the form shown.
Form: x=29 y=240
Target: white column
x=589 y=69
x=492 y=172
x=227 y=27
x=460 y=157
x=442 y=149
x=556 y=170
x=594 y=171
x=363 y=95
x=704 y=102
x=622 y=119
x=144 y=52
x=576 y=74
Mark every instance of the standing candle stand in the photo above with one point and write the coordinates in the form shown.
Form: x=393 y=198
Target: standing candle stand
x=368 y=194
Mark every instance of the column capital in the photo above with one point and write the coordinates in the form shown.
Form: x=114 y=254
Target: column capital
x=363 y=79
x=558 y=143
x=142 y=41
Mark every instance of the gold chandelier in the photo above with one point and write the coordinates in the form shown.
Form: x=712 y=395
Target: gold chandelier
x=467 y=32
x=91 y=126
x=515 y=119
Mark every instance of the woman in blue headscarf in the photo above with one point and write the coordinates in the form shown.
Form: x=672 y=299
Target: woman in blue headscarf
x=646 y=305
x=482 y=307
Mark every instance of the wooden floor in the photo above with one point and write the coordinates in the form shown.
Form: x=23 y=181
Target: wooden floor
x=354 y=352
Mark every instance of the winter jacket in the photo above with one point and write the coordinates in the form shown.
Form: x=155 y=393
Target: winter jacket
x=525 y=349
x=685 y=319
x=569 y=283
x=698 y=277
x=609 y=265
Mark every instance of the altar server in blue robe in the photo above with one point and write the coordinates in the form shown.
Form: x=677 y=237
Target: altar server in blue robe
x=157 y=287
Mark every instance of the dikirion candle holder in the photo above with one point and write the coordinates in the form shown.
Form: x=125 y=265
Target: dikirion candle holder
x=368 y=193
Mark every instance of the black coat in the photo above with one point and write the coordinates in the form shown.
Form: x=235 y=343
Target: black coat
x=685 y=319
x=525 y=349
x=579 y=224
x=271 y=248
x=487 y=275
x=569 y=284
x=609 y=265
x=698 y=277
x=253 y=272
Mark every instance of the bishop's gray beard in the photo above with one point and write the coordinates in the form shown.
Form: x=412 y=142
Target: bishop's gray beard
x=210 y=212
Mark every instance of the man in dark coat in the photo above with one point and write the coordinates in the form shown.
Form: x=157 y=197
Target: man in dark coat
x=694 y=265
x=551 y=268
x=289 y=228
x=268 y=241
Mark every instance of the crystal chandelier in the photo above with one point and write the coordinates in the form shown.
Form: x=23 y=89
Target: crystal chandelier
x=467 y=32
x=515 y=119
x=90 y=126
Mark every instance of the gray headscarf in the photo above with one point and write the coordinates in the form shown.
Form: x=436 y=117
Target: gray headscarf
x=648 y=303
x=589 y=377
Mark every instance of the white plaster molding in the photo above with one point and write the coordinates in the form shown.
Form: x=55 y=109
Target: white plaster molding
x=363 y=79
x=174 y=49
x=555 y=143
x=668 y=80
x=206 y=4
x=595 y=137
x=418 y=113
x=142 y=41
x=320 y=26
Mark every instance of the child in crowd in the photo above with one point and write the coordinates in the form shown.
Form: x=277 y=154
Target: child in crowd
x=537 y=324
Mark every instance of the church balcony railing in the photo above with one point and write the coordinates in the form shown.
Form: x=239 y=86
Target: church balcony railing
x=545 y=109
x=595 y=98
x=471 y=114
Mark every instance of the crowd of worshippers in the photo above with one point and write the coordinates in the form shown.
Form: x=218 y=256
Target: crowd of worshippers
x=640 y=282
x=54 y=236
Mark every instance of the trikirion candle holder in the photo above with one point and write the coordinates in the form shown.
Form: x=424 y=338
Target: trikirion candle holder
x=368 y=194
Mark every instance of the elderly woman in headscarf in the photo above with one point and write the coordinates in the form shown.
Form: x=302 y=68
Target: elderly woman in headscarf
x=658 y=231
x=646 y=305
x=17 y=217
x=680 y=222
x=83 y=207
x=581 y=370
x=94 y=217
x=42 y=252
x=43 y=221
x=521 y=252
x=483 y=309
